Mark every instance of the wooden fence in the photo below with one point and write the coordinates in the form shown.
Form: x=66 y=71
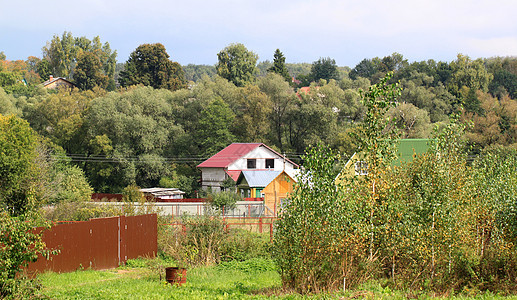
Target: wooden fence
x=99 y=243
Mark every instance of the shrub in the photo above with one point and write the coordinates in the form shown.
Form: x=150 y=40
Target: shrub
x=241 y=245
x=198 y=244
x=204 y=240
x=19 y=245
x=326 y=233
x=309 y=235
x=224 y=200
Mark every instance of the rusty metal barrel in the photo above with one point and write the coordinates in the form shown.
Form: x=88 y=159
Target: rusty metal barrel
x=176 y=276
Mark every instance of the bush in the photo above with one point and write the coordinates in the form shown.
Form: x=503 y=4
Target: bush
x=80 y=211
x=19 y=245
x=204 y=240
x=198 y=244
x=224 y=200
x=434 y=224
x=242 y=245
x=310 y=238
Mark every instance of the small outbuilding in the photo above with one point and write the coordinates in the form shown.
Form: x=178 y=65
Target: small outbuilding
x=163 y=193
x=277 y=191
x=251 y=183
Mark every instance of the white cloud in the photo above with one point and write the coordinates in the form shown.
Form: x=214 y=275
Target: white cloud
x=308 y=28
x=500 y=46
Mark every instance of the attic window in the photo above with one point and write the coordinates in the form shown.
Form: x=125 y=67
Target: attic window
x=252 y=163
x=270 y=163
x=361 y=168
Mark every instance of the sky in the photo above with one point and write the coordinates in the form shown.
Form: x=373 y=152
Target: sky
x=194 y=31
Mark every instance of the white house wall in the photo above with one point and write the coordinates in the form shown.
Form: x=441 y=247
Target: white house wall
x=260 y=154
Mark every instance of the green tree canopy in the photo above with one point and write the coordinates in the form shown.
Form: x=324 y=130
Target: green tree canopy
x=132 y=132
x=196 y=72
x=324 y=68
x=149 y=65
x=468 y=73
x=253 y=113
x=214 y=124
x=282 y=97
x=60 y=116
x=237 y=64
x=19 y=171
x=365 y=69
x=61 y=56
x=89 y=72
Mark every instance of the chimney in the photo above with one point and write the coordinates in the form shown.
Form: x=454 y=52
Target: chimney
x=51 y=78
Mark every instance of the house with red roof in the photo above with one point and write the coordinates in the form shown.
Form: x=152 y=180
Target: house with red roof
x=238 y=157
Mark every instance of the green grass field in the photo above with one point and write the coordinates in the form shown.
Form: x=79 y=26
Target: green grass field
x=252 y=279
x=226 y=281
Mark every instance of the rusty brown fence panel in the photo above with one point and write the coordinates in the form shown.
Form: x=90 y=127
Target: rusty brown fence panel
x=139 y=237
x=99 y=243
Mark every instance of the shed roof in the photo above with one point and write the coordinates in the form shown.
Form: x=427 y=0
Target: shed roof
x=259 y=178
x=162 y=191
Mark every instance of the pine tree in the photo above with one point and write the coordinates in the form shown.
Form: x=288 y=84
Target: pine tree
x=279 y=65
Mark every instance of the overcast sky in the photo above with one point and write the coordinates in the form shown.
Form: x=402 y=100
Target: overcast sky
x=194 y=31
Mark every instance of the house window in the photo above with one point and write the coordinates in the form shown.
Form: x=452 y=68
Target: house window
x=270 y=163
x=245 y=193
x=252 y=163
x=361 y=168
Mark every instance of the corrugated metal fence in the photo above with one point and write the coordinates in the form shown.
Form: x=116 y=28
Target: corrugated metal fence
x=99 y=243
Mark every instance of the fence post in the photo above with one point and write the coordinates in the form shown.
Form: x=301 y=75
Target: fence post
x=122 y=241
x=260 y=225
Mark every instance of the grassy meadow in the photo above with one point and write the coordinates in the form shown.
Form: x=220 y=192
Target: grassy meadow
x=251 y=279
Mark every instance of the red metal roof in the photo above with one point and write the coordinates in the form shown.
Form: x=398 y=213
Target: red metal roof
x=234 y=174
x=225 y=157
x=228 y=155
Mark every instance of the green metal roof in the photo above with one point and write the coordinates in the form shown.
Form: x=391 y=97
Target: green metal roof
x=407 y=147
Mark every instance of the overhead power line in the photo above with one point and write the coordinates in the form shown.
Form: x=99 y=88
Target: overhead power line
x=121 y=159
x=137 y=159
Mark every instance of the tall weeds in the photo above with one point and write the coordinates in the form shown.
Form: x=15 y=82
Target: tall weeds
x=205 y=240
x=436 y=223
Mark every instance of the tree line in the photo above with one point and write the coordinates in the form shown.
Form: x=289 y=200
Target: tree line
x=150 y=120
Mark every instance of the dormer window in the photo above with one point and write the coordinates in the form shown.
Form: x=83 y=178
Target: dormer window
x=252 y=163
x=270 y=163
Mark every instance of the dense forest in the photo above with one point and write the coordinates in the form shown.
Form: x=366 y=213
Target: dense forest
x=149 y=121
